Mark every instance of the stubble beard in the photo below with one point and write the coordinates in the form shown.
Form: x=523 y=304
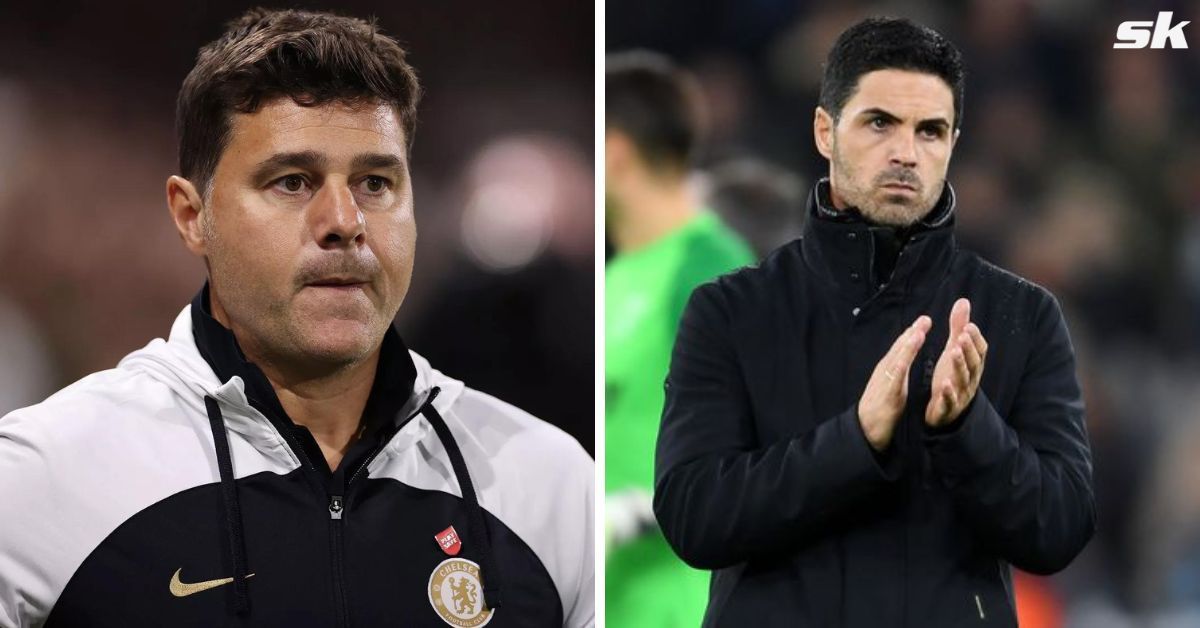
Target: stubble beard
x=892 y=210
x=272 y=333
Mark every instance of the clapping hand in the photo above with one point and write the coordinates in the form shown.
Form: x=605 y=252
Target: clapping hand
x=959 y=369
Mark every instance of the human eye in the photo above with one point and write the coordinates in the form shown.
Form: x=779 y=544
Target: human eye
x=932 y=132
x=374 y=184
x=292 y=184
x=879 y=123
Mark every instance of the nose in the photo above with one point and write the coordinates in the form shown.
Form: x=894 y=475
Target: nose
x=904 y=150
x=335 y=217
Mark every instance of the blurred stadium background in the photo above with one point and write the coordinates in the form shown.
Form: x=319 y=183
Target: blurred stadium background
x=1078 y=167
x=503 y=292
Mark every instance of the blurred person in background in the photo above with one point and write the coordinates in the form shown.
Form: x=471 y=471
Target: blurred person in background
x=665 y=246
x=283 y=457
x=871 y=425
x=760 y=201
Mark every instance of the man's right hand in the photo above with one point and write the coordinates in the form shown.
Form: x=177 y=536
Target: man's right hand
x=882 y=402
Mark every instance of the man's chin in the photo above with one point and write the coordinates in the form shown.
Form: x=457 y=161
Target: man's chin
x=893 y=214
x=338 y=341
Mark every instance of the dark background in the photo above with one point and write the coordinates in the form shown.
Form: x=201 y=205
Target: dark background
x=503 y=289
x=1079 y=168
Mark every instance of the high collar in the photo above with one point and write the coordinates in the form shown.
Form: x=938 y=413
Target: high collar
x=845 y=248
x=393 y=385
x=821 y=202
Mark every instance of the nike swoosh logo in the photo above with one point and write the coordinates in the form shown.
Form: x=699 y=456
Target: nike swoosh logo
x=184 y=589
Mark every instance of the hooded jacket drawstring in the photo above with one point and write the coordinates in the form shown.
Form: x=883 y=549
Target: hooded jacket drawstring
x=233 y=510
x=489 y=573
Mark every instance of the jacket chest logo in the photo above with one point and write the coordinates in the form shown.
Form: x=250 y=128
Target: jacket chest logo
x=179 y=588
x=456 y=593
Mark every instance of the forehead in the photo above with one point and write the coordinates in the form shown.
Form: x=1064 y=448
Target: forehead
x=903 y=93
x=335 y=129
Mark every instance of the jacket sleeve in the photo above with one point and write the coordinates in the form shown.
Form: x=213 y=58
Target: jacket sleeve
x=1025 y=484
x=722 y=497
x=582 y=613
x=32 y=541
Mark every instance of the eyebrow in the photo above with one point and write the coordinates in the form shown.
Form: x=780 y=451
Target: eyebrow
x=312 y=160
x=876 y=111
x=373 y=161
x=305 y=160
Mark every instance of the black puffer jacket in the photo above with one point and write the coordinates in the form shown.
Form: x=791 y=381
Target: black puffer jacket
x=763 y=473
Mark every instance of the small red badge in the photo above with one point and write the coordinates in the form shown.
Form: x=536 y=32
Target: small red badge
x=448 y=540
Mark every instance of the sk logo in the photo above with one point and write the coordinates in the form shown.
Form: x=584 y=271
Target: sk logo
x=1137 y=34
x=184 y=589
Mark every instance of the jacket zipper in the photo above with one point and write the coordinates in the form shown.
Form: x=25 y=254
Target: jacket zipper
x=337 y=506
x=337 y=513
x=336 y=509
x=337 y=542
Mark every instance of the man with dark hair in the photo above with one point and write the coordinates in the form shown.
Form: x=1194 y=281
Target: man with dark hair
x=282 y=459
x=832 y=444
x=664 y=249
x=655 y=106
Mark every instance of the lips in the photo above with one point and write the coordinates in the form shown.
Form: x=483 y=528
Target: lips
x=339 y=273
x=337 y=282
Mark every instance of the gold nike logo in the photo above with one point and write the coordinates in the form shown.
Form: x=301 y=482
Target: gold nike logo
x=184 y=589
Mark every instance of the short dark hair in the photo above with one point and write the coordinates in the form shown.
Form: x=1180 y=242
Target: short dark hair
x=313 y=58
x=880 y=43
x=657 y=104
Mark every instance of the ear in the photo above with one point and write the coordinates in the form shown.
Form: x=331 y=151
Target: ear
x=185 y=205
x=618 y=154
x=823 y=127
x=954 y=138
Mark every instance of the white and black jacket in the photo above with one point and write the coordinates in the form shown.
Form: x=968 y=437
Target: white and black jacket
x=158 y=493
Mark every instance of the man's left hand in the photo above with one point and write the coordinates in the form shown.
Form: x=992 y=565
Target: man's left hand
x=959 y=369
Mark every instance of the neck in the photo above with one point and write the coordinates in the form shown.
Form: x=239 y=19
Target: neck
x=329 y=405
x=836 y=199
x=327 y=399
x=650 y=210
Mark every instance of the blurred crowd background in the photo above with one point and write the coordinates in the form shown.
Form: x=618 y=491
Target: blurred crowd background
x=503 y=289
x=1078 y=167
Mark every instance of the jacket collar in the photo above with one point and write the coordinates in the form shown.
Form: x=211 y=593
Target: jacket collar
x=821 y=202
x=394 y=378
x=843 y=248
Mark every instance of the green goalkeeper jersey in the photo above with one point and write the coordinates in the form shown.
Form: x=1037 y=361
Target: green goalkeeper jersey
x=645 y=293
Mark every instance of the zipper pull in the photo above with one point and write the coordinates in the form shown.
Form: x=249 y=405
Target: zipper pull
x=335 y=507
